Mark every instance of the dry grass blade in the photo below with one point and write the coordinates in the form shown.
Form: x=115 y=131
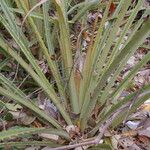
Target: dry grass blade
x=33 y=8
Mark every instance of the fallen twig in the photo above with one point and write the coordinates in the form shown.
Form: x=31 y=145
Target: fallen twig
x=102 y=130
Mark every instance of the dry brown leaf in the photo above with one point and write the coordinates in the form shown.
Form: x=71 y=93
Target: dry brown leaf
x=145 y=132
x=49 y=136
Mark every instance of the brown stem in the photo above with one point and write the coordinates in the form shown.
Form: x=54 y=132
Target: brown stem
x=102 y=130
x=66 y=147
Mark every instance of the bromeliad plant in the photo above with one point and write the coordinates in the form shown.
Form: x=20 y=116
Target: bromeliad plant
x=84 y=80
